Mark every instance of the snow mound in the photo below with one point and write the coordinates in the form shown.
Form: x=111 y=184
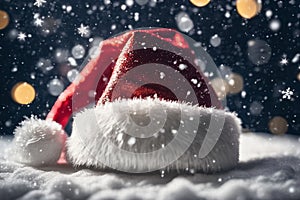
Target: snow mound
x=269 y=168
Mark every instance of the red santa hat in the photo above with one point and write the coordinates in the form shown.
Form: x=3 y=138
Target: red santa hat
x=151 y=109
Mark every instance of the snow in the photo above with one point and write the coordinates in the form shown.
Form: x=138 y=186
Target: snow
x=269 y=168
x=83 y=30
x=39 y=3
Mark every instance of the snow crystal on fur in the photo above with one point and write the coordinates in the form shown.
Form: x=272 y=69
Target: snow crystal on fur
x=38 y=142
x=96 y=129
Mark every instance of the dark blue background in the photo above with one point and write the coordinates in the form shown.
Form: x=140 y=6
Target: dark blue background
x=260 y=81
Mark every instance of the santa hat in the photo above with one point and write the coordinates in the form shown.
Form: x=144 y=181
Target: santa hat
x=152 y=109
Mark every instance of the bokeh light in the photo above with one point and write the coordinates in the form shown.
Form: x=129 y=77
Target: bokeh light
x=259 y=52
x=55 y=87
x=248 y=8
x=4 y=19
x=221 y=87
x=23 y=93
x=278 y=125
x=256 y=108
x=275 y=25
x=235 y=83
x=78 y=51
x=45 y=65
x=200 y=3
x=72 y=74
x=184 y=22
x=141 y=2
x=215 y=40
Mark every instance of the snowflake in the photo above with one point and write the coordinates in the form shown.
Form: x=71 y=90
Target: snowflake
x=39 y=3
x=83 y=30
x=284 y=61
x=38 y=22
x=287 y=94
x=21 y=36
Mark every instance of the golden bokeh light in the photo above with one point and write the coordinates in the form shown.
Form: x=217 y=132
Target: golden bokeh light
x=248 y=8
x=4 y=19
x=221 y=87
x=23 y=93
x=298 y=76
x=259 y=6
x=235 y=83
x=199 y=3
x=278 y=125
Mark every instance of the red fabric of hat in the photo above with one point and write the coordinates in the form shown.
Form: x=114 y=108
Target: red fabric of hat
x=123 y=53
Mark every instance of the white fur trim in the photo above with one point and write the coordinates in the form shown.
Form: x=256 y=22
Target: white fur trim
x=38 y=142
x=94 y=129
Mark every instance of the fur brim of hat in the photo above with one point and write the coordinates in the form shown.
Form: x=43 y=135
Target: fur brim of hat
x=128 y=135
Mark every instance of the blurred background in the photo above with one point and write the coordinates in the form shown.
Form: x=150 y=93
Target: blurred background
x=254 y=43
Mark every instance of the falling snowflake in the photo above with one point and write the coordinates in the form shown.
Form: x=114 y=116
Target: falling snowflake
x=21 y=36
x=284 y=61
x=38 y=22
x=39 y=3
x=287 y=94
x=83 y=30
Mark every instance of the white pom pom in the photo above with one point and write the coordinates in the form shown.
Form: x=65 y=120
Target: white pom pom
x=38 y=142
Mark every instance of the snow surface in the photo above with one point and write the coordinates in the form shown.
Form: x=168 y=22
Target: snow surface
x=269 y=169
